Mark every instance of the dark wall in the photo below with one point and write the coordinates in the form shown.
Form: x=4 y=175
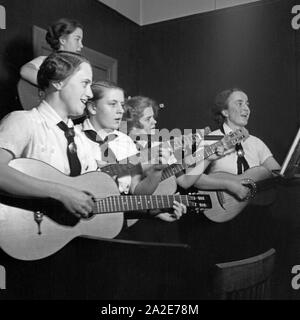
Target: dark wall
x=104 y=30
x=185 y=62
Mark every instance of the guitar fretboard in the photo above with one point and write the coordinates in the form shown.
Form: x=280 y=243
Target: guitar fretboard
x=227 y=142
x=176 y=168
x=117 y=169
x=144 y=202
x=187 y=140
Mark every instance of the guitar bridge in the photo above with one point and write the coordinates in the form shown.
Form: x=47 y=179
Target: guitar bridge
x=38 y=218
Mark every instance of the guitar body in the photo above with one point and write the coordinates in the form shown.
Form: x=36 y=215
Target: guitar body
x=167 y=186
x=225 y=206
x=19 y=232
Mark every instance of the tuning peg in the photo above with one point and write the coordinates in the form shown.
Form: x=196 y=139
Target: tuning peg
x=196 y=193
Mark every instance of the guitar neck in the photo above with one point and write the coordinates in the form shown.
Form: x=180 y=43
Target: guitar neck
x=176 y=168
x=227 y=142
x=117 y=169
x=186 y=140
x=144 y=202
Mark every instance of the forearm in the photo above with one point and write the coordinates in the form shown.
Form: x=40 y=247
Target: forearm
x=29 y=72
x=271 y=164
x=209 y=182
x=192 y=175
x=149 y=184
x=19 y=184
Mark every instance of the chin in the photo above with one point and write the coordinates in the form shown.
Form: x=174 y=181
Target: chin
x=77 y=114
x=241 y=123
x=114 y=127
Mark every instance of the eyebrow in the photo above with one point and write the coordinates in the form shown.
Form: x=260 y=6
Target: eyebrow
x=114 y=100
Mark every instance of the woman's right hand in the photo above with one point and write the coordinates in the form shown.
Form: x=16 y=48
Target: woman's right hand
x=79 y=203
x=237 y=188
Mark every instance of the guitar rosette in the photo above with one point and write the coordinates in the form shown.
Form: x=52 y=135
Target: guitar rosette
x=252 y=188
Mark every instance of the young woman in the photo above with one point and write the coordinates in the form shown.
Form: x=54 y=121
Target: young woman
x=133 y=276
x=64 y=34
x=232 y=111
x=105 y=113
x=253 y=231
x=141 y=114
x=66 y=79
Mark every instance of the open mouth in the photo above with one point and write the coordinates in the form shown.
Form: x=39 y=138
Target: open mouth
x=84 y=101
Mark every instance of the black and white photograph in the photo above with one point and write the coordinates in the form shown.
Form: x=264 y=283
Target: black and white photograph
x=149 y=153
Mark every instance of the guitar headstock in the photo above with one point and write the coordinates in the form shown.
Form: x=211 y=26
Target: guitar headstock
x=232 y=138
x=199 y=201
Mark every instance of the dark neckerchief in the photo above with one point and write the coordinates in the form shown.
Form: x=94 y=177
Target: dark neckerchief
x=242 y=163
x=106 y=152
x=74 y=163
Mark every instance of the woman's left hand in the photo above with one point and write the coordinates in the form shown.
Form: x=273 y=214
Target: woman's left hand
x=220 y=150
x=179 y=210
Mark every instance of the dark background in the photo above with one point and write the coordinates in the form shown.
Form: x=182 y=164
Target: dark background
x=183 y=63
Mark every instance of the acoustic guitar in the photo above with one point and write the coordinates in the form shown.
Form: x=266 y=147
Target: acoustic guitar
x=168 y=184
x=32 y=229
x=225 y=206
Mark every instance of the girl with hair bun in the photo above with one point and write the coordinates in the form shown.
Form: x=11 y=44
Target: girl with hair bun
x=62 y=35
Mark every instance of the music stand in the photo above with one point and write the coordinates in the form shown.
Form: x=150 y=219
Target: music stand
x=291 y=162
